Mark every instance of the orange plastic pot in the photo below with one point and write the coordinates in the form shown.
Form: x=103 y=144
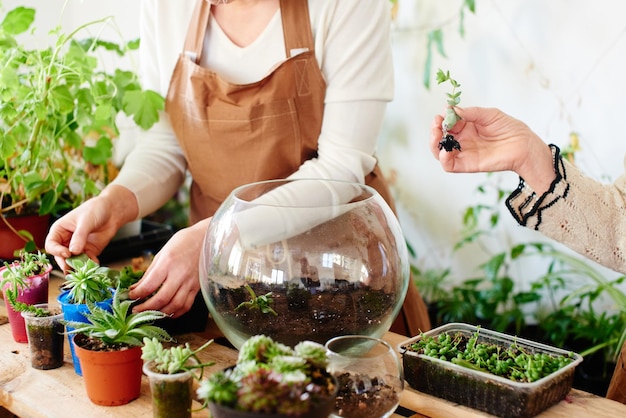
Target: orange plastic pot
x=111 y=377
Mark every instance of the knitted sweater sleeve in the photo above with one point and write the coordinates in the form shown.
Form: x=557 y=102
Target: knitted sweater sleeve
x=586 y=215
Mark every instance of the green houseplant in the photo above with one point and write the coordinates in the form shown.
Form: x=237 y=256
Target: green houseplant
x=58 y=119
x=272 y=379
x=86 y=282
x=109 y=344
x=24 y=283
x=171 y=372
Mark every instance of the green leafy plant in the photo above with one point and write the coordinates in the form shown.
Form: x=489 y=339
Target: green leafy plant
x=58 y=113
x=262 y=303
x=272 y=378
x=110 y=330
x=175 y=359
x=87 y=281
x=13 y=279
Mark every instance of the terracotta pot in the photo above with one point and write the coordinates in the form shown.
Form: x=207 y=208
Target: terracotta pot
x=111 y=377
x=75 y=312
x=37 y=292
x=45 y=338
x=171 y=393
x=36 y=225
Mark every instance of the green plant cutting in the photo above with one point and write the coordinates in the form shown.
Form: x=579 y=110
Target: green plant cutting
x=448 y=142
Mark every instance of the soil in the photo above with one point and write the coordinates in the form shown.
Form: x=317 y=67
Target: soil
x=359 y=396
x=95 y=344
x=46 y=346
x=308 y=313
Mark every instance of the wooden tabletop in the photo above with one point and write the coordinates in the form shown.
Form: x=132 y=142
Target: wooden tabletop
x=32 y=393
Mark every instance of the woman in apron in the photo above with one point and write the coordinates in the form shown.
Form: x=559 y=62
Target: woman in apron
x=261 y=89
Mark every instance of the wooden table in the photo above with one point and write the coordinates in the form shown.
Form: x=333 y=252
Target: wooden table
x=31 y=393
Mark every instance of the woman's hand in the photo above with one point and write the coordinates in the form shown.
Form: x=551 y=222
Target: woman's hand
x=91 y=226
x=171 y=282
x=493 y=141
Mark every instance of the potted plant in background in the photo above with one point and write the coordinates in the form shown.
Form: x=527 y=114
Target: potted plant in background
x=171 y=372
x=86 y=283
x=26 y=281
x=58 y=123
x=108 y=347
x=272 y=379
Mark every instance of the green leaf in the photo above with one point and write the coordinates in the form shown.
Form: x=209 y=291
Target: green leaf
x=144 y=106
x=18 y=20
x=100 y=153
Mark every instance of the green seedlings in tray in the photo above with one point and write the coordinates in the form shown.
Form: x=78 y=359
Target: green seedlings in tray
x=514 y=362
x=448 y=142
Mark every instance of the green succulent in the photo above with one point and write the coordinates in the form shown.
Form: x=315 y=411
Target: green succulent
x=454 y=98
x=272 y=378
x=14 y=277
x=173 y=359
x=87 y=281
x=120 y=326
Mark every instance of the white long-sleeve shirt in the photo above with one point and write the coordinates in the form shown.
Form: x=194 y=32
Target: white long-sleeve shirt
x=352 y=47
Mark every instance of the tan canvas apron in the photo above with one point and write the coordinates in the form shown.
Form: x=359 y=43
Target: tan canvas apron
x=236 y=134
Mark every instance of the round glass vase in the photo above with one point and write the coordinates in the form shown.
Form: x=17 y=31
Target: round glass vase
x=305 y=259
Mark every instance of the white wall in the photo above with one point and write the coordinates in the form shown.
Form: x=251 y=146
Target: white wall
x=555 y=64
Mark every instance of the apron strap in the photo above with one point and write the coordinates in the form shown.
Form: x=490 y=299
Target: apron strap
x=196 y=31
x=296 y=26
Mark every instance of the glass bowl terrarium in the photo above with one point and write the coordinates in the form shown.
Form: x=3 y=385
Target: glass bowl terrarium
x=304 y=259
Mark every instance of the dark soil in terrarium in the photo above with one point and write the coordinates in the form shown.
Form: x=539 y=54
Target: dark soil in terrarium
x=360 y=396
x=307 y=313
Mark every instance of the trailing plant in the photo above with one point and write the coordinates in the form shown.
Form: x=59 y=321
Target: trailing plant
x=120 y=327
x=175 y=359
x=435 y=38
x=272 y=378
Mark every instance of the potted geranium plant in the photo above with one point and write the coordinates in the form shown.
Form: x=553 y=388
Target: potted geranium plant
x=24 y=281
x=171 y=372
x=58 y=123
x=272 y=379
x=109 y=349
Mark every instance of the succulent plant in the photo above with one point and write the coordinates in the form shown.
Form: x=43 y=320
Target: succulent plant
x=87 y=281
x=119 y=326
x=13 y=279
x=174 y=359
x=270 y=377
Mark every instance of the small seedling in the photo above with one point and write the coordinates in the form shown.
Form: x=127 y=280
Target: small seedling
x=448 y=142
x=262 y=303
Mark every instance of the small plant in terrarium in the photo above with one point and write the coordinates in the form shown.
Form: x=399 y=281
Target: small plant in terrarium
x=272 y=378
x=261 y=303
